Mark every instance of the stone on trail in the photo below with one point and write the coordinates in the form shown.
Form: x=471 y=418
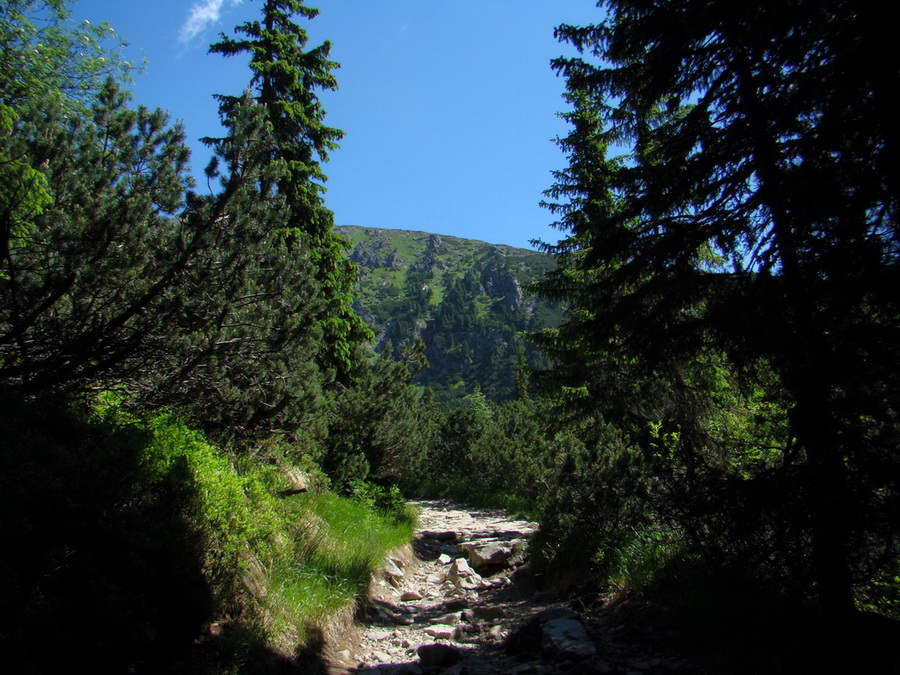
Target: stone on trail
x=444 y=559
x=437 y=656
x=488 y=612
x=462 y=576
x=409 y=596
x=459 y=568
x=391 y=569
x=526 y=640
x=567 y=640
x=494 y=554
x=380 y=634
x=469 y=583
x=450 y=619
x=441 y=631
x=380 y=656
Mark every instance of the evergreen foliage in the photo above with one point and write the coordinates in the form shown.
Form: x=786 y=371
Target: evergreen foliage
x=730 y=207
x=45 y=56
x=89 y=250
x=125 y=533
x=285 y=80
x=380 y=427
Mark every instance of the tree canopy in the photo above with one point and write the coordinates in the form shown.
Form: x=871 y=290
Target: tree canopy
x=732 y=194
x=234 y=306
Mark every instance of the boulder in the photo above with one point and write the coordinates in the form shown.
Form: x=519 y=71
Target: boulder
x=566 y=640
x=491 y=555
x=437 y=656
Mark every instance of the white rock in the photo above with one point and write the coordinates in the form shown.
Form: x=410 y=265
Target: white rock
x=459 y=568
x=391 y=569
x=441 y=631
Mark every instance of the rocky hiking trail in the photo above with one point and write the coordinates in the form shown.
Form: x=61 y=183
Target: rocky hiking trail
x=462 y=602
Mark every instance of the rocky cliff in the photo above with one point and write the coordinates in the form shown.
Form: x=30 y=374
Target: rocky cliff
x=465 y=299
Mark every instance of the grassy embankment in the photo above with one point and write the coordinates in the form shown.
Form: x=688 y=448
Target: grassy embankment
x=136 y=544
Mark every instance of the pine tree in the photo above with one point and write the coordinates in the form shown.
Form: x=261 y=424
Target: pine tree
x=87 y=278
x=285 y=79
x=248 y=307
x=114 y=275
x=733 y=189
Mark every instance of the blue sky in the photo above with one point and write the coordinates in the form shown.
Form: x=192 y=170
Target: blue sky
x=449 y=106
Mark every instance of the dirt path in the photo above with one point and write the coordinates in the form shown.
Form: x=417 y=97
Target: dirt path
x=464 y=604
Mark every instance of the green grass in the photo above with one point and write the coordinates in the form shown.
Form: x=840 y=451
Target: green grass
x=303 y=558
x=149 y=534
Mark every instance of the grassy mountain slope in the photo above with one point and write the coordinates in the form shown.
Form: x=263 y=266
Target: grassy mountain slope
x=464 y=299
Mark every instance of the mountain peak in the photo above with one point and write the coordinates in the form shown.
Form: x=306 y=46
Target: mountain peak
x=465 y=299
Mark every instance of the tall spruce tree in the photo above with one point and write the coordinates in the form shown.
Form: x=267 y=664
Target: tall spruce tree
x=733 y=189
x=285 y=79
x=248 y=307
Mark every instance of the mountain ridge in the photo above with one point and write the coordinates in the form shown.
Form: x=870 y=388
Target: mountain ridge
x=465 y=299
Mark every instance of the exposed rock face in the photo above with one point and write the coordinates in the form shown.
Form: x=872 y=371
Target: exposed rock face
x=499 y=282
x=465 y=299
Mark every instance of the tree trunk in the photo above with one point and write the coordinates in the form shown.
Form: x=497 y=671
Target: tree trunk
x=828 y=496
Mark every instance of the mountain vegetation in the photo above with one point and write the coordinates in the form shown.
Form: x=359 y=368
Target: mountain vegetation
x=466 y=301
x=209 y=427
